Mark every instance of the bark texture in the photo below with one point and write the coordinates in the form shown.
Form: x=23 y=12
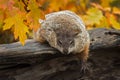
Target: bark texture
x=36 y=61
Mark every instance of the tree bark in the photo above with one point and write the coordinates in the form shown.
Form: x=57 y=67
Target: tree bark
x=36 y=61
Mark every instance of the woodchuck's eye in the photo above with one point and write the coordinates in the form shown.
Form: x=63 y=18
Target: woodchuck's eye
x=76 y=33
x=59 y=42
x=49 y=29
x=72 y=42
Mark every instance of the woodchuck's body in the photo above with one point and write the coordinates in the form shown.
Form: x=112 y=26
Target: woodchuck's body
x=65 y=31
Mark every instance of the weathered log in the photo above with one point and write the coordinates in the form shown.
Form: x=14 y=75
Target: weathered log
x=36 y=61
x=16 y=53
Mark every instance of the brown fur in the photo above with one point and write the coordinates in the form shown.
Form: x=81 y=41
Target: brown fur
x=66 y=32
x=84 y=54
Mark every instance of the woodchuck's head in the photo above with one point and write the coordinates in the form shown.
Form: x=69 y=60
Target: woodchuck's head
x=65 y=39
x=63 y=30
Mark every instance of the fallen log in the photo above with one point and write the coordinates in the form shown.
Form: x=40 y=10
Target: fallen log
x=36 y=61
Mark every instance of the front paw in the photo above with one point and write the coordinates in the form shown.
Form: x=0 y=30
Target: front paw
x=84 y=67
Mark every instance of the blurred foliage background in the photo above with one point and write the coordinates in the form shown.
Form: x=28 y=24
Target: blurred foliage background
x=19 y=17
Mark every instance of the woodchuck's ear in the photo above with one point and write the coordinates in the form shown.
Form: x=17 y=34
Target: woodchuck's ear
x=76 y=32
x=41 y=21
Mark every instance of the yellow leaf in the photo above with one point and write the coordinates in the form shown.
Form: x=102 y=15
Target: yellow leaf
x=116 y=10
x=55 y=5
x=34 y=14
x=20 y=29
x=93 y=16
x=9 y=23
x=106 y=3
x=114 y=23
x=83 y=4
x=104 y=23
x=1 y=18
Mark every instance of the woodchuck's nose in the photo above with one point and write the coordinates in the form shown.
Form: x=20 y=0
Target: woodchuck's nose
x=65 y=51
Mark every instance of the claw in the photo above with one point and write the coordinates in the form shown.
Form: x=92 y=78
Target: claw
x=84 y=67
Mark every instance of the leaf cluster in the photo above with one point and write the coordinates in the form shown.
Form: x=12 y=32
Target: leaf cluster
x=21 y=16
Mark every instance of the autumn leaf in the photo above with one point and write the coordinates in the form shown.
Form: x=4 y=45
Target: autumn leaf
x=98 y=6
x=82 y=4
x=93 y=16
x=114 y=23
x=34 y=14
x=103 y=23
x=106 y=3
x=20 y=29
x=1 y=18
x=116 y=10
x=1 y=24
x=97 y=16
x=21 y=4
x=55 y=5
x=8 y=23
x=5 y=3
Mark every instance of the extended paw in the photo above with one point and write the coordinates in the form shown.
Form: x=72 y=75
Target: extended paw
x=84 y=67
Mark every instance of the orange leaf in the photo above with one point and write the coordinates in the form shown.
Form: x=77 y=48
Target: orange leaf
x=116 y=10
